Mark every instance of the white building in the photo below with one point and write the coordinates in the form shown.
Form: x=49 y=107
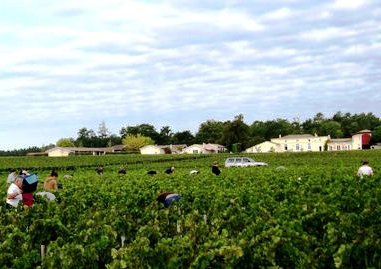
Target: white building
x=203 y=148
x=64 y=152
x=162 y=149
x=265 y=147
x=307 y=142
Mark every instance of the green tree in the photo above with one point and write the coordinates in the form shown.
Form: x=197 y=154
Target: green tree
x=165 y=136
x=331 y=128
x=184 y=137
x=376 y=135
x=65 y=143
x=236 y=131
x=143 y=129
x=210 y=131
x=135 y=142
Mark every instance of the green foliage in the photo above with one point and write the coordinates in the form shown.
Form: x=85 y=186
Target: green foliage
x=314 y=214
x=135 y=142
x=376 y=135
x=65 y=143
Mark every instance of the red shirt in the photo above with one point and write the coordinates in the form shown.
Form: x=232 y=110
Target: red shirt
x=27 y=199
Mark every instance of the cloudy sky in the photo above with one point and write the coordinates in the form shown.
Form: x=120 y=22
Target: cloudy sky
x=70 y=64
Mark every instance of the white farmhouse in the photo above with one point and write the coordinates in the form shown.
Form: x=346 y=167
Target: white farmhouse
x=161 y=149
x=354 y=143
x=59 y=152
x=152 y=150
x=265 y=147
x=301 y=142
x=204 y=148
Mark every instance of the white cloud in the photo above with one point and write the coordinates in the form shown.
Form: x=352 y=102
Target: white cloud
x=157 y=62
x=349 y=4
x=327 y=33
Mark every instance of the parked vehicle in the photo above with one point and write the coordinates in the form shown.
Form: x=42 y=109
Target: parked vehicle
x=242 y=162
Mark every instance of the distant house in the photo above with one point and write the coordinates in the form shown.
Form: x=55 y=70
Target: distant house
x=308 y=142
x=354 y=143
x=301 y=142
x=265 y=147
x=204 y=148
x=64 y=152
x=152 y=150
x=118 y=148
x=161 y=149
x=59 y=152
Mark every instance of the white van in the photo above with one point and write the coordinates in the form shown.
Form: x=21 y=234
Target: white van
x=242 y=162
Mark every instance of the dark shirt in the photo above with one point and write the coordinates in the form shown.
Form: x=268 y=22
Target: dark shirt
x=169 y=170
x=216 y=170
x=151 y=173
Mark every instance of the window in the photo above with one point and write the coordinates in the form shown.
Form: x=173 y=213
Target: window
x=338 y=147
x=330 y=147
x=230 y=160
x=238 y=160
x=246 y=160
x=195 y=151
x=285 y=147
x=297 y=146
x=309 y=145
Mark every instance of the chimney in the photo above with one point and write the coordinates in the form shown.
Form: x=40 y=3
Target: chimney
x=315 y=134
x=280 y=136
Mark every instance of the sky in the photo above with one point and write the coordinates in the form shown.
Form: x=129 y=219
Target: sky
x=65 y=65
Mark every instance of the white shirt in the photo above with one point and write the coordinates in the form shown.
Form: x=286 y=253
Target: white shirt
x=365 y=170
x=11 y=177
x=12 y=190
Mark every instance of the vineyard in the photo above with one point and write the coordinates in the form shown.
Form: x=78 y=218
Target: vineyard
x=311 y=213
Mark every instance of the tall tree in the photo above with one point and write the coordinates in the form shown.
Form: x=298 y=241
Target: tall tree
x=236 y=131
x=65 y=143
x=103 y=131
x=184 y=137
x=331 y=128
x=135 y=142
x=143 y=129
x=210 y=131
x=165 y=136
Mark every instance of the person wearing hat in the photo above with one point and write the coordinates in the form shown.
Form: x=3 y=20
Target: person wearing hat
x=215 y=169
x=169 y=170
x=14 y=193
x=365 y=170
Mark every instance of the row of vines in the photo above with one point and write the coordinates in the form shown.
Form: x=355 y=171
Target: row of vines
x=312 y=213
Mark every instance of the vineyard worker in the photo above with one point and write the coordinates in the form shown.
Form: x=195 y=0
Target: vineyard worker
x=99 y=170
x=365 y=170
x=215 y=169
x=122 y=170
x=12 y=176
x=151 y=173
x=50 y=183
x=14 y=193
x=170 y=170
x=166 y=198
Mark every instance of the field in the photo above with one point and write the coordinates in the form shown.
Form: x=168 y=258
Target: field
x=313 y=214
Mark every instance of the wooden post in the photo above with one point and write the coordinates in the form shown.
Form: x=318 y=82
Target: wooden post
x=43 y=252
x=122 y=238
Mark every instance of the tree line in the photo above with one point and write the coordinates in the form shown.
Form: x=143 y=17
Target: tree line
x=235 y=134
